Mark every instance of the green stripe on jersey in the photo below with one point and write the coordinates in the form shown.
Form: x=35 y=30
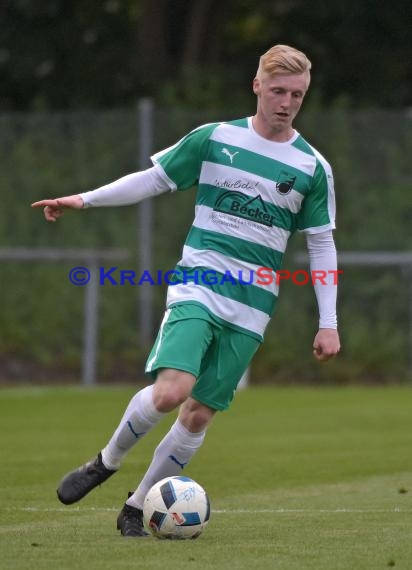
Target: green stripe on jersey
x=302 y=145
x=315 y=211
x=228 y=286
x=182 y=162
x=209 y=195
x=235 y=247
x=239 y=123
x=254 y=163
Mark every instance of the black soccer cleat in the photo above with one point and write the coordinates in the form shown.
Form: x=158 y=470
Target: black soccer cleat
x=75 y=485
x=130 y=521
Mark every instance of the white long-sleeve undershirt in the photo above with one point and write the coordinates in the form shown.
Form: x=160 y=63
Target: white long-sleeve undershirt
x=129 y=189
x=138 y=186
x=322 y=257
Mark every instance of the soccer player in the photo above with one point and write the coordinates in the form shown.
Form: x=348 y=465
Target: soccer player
x=258 y=181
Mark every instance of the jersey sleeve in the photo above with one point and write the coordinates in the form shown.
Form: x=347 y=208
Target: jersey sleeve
x=182 y=161
x=318 y=207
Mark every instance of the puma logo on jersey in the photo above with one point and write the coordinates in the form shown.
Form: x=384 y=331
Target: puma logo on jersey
x=229 y=154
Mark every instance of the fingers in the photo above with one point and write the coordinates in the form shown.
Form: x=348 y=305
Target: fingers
x=326 y=344
x=42 y=203
x=322 y=354
x=52 y=214
x=71 y=202
x=51 y=209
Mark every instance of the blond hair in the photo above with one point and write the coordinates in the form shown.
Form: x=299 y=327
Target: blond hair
x=282 y=59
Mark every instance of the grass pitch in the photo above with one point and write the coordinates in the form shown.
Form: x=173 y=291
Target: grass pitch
x=299 y=479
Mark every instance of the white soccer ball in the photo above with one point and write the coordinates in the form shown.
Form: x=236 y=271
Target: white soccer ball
x=176 y=508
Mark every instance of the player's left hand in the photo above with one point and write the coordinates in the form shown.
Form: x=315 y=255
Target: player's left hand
x=326 y=344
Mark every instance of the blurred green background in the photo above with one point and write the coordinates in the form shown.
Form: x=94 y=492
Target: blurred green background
x=71 y=75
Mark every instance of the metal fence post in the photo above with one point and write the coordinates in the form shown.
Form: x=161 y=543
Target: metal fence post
x=407 y=271
x=145 y=108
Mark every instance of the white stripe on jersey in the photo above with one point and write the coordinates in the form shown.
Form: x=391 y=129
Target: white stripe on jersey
x=229 y=178
x=207 y=258
x=208 y=219
x=280 y=151
x=227 y=309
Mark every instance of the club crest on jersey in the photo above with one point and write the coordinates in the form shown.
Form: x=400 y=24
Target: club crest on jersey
x=285 y=182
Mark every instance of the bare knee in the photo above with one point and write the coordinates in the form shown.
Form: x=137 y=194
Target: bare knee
x=195 y=416
x=172 y=387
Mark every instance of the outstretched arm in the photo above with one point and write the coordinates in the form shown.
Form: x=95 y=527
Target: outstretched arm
x=129 y=189
x=323 y=265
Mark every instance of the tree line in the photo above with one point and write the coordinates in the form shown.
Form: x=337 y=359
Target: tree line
x=59 y=54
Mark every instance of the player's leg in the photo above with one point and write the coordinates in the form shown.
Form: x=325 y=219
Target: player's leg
x=178 y=355
x=173 y=384
x=143 y=412
x=222 y=368
x=177 y=447
x=176 y=338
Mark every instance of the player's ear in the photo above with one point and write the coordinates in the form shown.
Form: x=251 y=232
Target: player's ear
x=256 y=86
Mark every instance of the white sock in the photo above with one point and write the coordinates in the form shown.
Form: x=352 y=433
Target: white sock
x=171 y=455
x=140 y=416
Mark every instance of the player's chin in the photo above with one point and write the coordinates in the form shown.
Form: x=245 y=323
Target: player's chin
x=281 y=121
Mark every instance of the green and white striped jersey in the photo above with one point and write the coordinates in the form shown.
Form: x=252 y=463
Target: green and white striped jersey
x=252 y=195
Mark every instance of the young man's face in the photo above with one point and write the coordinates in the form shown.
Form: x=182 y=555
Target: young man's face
x=279 y=99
